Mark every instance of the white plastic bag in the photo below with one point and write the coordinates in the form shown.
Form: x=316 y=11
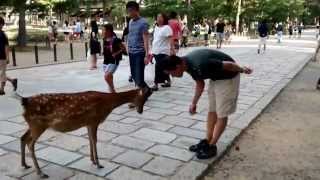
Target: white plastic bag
x=88 y=55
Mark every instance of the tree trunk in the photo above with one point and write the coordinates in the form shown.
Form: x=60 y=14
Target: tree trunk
x=22 y=34
x=238 y=17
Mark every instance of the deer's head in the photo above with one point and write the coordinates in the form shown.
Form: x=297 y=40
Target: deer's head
x=142 y=97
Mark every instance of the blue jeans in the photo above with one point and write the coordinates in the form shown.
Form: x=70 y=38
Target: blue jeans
x=137 y=68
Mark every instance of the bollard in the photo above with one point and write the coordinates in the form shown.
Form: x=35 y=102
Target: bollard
x=14 y=61
x=71 y=51
x=86 y=48
x=55 y=52
x=36 y=54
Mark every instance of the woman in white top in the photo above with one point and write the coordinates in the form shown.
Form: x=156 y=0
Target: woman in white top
x=162 y=46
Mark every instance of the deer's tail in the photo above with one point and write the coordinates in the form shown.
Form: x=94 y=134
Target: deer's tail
x=23 y=100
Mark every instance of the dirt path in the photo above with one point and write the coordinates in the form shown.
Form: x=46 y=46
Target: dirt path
x=284 y=142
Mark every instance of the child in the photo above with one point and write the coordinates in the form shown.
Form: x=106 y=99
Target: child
x=95 y=48
x=113 y=48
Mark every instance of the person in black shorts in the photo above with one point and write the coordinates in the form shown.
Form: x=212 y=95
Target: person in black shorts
x=4 y=60
x=113 y=48
x=95 y=48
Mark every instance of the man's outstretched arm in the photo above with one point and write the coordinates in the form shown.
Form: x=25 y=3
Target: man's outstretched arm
x=230 y=66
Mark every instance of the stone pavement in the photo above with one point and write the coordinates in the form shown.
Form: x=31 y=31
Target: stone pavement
x=151 y=146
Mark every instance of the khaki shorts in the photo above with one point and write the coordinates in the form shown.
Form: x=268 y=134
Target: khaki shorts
x=3 y=68
x=223 y=96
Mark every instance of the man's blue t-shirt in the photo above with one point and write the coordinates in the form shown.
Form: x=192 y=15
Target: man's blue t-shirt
x=135 y=37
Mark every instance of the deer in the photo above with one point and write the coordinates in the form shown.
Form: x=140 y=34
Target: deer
x=65 y=112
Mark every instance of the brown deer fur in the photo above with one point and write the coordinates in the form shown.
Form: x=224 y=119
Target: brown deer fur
x=68 y=112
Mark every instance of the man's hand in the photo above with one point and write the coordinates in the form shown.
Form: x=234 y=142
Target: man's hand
x=193 y=109
x=246 y=70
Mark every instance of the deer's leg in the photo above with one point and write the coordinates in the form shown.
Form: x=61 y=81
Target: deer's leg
x=91 y=145
x=35 y=134
x=25 y=139
x=93 y=131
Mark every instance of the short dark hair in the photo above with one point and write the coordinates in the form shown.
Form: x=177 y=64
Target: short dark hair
x=133 y=5
x=173 y=15
x=170 y=63
x=165 y=18
x=108 y=27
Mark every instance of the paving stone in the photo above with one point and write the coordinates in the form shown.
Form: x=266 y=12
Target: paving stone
x=200 y=126
x=146 y=115
x=4 y=177
x=80 y=132
x=47 y=135
x=6 y=139
x=160 y=98
x=17 y=119
x=188 y=132
x=68 y=142
x=84 y=176
x=57 y=155
x=115 y=117
x=154 y=135
x=53 y=171
x=119 y=128
x=183 y=108
x=121 y=110
x=15 y=146
x=244 y=120
x=2 y=152
x=157 y=104
x=12 y=166
x=104 y=136
x=133 y=143
x=192 y=170
x=153 y=125
x=10 y=107
x=125 y=173
x=105 y=151
x=164 y=111
x=185 y=142
x=195 y=116
x=86 y=165
x=129 y=120
x=179 y=121
x=229 y=135
x=7 y=128
x=133 y=158
x=157 y=166
x=171 y=152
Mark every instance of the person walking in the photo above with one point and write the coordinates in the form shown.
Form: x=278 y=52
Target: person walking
x=66 y=31
x=290 y=29
x=55 y=31
x=185 y=34
x=95 y=48
x=138 y=44
x=263 y=35
x=4 y=60
x=300 y=28
x=223 y=90
x=125 y=40
x=207 y=30
x=113 y=48
x=220 y=33
x=175 y=25
x=162 y=46
x=279 y=30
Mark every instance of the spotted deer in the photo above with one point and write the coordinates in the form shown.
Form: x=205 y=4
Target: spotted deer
x=68 y=112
